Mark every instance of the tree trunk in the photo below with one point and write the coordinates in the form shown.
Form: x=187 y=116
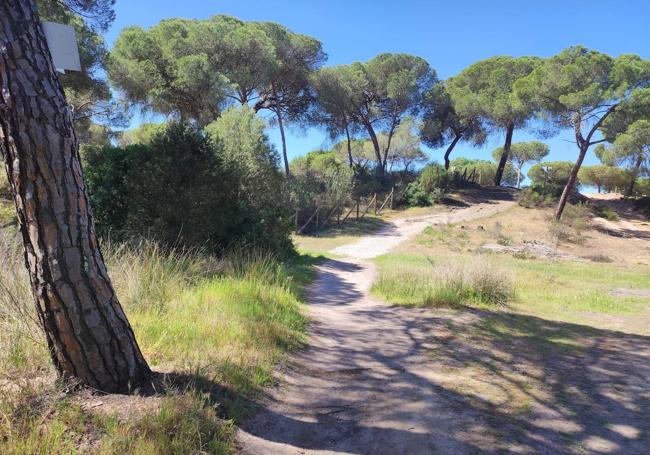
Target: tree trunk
x=635 y=174
x=375 y=143
x=88 y=334
x=504 y=156
x=571 y=183
x=278 y=113
x=347 y=133
x=518 y=178
x=450 y=148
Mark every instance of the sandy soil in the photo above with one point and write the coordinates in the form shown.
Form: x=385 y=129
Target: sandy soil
x=366 y=384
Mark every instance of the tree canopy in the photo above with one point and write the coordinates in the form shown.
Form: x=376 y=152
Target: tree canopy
x=579 y=89
x=485 y=91
x=522 y=153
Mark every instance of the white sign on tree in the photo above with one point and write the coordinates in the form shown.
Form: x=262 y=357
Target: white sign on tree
x=62 y=41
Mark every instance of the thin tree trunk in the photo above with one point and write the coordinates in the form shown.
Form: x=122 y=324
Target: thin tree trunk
x=278 y=114
x=347 y=133
x=571 y=183
x=375 y=143
x=504 y=156
x=88 y=334
x=518 y=177
x=450 y=148
x=635 y=174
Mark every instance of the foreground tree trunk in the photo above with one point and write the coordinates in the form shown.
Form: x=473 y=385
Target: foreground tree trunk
x=504 y=156
x=88 y=334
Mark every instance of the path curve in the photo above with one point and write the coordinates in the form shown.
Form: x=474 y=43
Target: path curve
x=363 y=386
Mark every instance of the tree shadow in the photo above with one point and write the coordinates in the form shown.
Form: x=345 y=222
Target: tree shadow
x=400 y=383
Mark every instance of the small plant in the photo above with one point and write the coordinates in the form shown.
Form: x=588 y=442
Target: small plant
x=605 y=211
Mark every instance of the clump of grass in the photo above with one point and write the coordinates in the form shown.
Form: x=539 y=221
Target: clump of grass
x=475 y=282
x=228 y=320
x=575 y=220
x=605 y=211
x=37 y=423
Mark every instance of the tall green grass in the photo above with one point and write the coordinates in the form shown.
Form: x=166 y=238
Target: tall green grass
x=226 y=320
x=451 y=283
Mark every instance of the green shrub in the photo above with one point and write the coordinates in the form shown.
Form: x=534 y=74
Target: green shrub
x=550 y=178
x=530 y=198
x=429 y=188
x=181 y=189
x=484 y=170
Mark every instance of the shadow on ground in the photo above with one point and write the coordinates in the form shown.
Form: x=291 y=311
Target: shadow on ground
x=470 y=381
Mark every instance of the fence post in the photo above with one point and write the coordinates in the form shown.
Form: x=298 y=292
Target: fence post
x=358 y=209
x=375 y=203
x=392 y=197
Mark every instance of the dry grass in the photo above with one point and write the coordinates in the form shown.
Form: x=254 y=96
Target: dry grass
x=224 y=321
x=461 y=282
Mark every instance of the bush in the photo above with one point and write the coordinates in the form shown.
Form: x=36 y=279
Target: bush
x=430 y=186
x=181 y=190
x=530 y=198
x=485 y=171
x=550 y=178
x=575 y=220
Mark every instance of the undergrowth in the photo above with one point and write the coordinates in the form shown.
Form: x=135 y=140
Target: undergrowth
x=223 y=321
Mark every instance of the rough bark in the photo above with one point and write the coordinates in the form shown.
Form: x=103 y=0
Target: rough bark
x=504 y=156
x=89 y=336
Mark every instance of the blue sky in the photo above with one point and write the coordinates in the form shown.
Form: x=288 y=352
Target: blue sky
x=450 y=35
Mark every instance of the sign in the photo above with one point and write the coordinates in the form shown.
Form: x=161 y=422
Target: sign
x=62 y=41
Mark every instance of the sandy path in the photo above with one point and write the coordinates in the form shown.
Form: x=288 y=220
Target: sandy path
x=364 y=385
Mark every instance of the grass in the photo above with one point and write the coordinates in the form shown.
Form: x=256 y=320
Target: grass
x=225 y=322
x=335 y=236
x=477 y=282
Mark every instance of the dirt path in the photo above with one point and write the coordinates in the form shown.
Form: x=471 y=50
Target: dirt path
x=365 y=385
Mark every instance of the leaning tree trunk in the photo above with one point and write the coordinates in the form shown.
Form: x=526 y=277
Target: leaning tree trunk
x=570 y=186
x=379 y=171
x=504 y=156
x=450 y=148
x=88 y=334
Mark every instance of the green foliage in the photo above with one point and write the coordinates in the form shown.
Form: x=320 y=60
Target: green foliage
x=251 y=158
x=157 y=69
x=550 y=177
x=143 y=134
x=484 y=171
x=603 y=177
x=522 y=153
x=319 y=179
x=375 y=94
x=180 y=189
x=530 y=198
x=87 y=90
x=429 y=187
x=486 y=90
x=476 y=282
x=443 y=124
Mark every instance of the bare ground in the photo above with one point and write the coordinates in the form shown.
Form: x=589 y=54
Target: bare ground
x=366 y=384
